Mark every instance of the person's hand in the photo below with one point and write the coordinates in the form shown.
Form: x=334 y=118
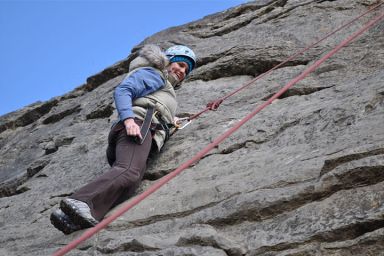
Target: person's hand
x=132 y=128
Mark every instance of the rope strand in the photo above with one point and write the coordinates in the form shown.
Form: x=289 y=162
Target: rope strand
x=214 y=105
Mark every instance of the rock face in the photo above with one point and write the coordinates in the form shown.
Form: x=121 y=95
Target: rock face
x=303 y=177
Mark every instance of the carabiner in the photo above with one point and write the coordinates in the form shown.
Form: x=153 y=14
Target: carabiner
x=181 y=123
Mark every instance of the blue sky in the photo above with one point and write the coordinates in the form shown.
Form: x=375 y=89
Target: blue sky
x=49 y=47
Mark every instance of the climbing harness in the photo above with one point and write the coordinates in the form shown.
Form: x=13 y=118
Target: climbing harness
x=145 y=126
x=134 y=201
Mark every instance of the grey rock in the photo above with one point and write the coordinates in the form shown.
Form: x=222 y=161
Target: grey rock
x=305 y=176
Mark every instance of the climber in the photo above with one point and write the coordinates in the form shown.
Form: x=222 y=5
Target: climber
x=146 y=104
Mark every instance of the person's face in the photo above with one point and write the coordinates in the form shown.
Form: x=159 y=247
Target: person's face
x=178 y=70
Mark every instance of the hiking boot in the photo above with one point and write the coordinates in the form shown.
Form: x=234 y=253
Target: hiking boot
x=62 y=222
x=79 y=212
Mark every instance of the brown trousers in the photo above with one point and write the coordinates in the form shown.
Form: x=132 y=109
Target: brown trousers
x=122 y=179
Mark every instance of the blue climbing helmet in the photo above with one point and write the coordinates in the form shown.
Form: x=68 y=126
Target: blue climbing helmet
x=181 y=53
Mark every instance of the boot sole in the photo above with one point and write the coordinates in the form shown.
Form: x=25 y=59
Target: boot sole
x=75 y=215
x=61 y=225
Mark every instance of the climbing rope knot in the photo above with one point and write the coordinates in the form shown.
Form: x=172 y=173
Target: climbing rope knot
x=214 y=105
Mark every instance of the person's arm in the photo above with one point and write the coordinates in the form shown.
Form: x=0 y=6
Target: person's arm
x=141 y=83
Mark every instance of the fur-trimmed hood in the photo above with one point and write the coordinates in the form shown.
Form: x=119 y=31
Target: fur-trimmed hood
x=150 y=55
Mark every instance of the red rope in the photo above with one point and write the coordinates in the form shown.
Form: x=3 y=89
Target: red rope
x=214 y=105
x=124 y=208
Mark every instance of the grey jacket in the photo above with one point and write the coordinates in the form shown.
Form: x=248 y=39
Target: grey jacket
x=147 y=85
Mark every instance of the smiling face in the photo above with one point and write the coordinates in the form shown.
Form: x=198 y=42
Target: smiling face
x=178 y=70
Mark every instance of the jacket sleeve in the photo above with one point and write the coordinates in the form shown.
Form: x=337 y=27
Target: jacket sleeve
x=139 y=84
